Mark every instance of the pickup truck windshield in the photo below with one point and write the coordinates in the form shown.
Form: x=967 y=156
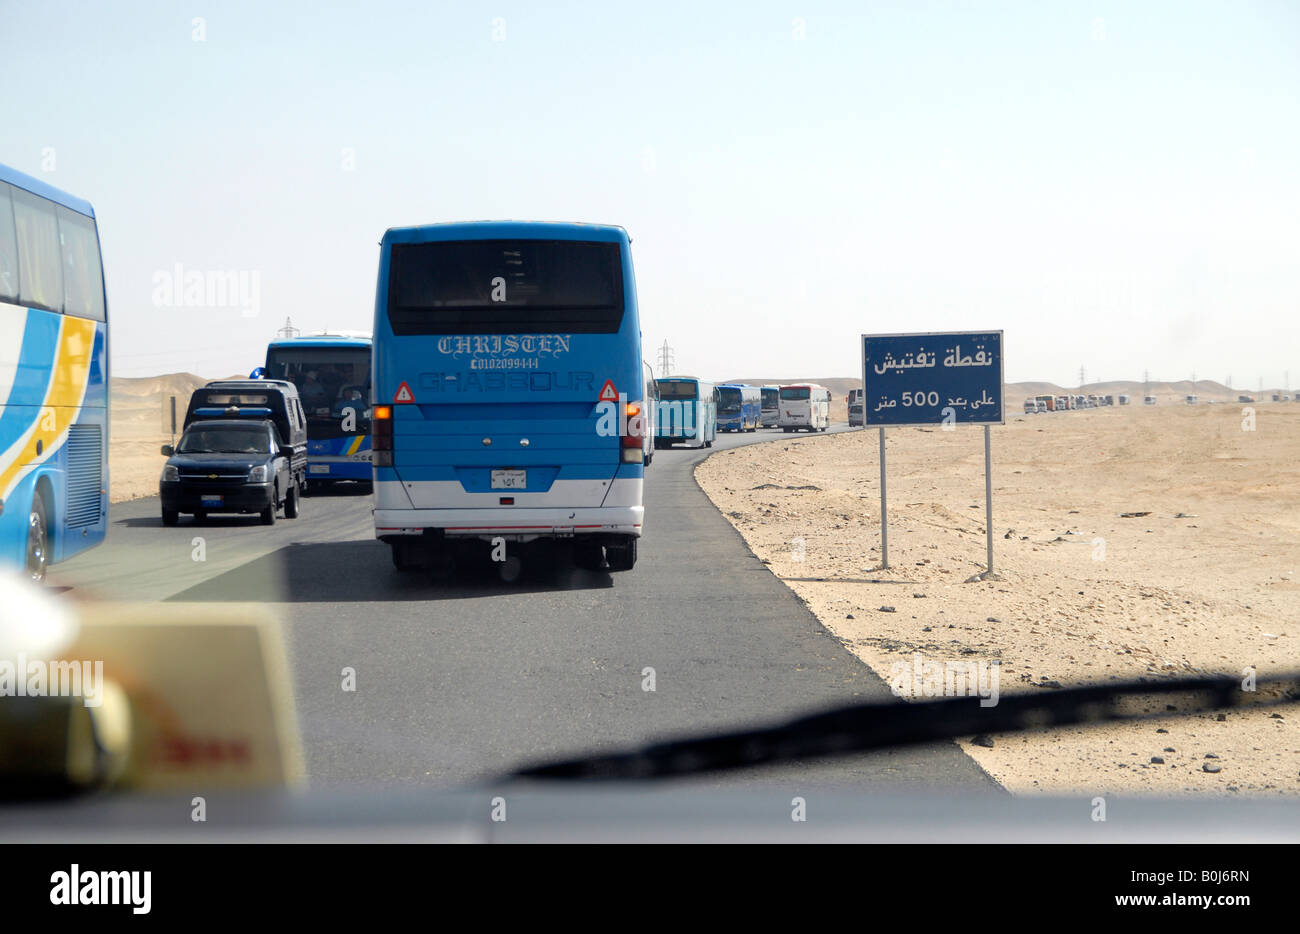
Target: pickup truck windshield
x=225 y=441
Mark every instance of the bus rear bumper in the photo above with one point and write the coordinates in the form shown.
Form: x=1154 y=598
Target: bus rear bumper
x=522 y=525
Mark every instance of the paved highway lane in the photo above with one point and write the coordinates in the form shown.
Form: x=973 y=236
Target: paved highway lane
x=462 y=679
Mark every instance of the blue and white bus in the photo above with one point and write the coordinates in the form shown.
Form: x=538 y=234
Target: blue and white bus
x=687 y=412
x=771 y=407
x=332 y=372
x=53 y=376
x=507 y=364
x=740 y=407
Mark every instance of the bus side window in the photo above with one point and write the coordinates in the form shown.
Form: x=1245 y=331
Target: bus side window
x=40 y=260
x=8 y=248
x=83 y=283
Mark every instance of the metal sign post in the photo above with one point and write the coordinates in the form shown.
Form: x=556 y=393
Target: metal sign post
x=173 y=401
x=988 y=498
x=884 y=519
x=934 y=378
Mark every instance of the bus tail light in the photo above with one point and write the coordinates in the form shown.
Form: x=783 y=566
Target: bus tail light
x=635 y=432
x=633 y=437
x=382 y=436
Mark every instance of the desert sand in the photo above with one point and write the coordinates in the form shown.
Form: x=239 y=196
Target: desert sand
x=1203 y=581
x=140 y=419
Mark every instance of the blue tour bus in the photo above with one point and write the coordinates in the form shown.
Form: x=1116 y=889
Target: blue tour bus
x=507 y=361
x=740 y=407
x=771 y=407
x=53 y=376
x=332 y=372
x=687 y=412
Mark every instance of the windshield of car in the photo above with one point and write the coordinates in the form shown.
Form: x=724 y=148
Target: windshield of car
x=1035 y=261
x=224 y=440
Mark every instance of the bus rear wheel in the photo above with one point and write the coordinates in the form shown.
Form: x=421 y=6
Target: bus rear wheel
x=621 y=557
x=588 y=555
x=402 y=559
x=38 y=540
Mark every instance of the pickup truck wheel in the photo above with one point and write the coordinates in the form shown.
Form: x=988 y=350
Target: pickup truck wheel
x=291 y=503
x=268 y=514
x=169 y=516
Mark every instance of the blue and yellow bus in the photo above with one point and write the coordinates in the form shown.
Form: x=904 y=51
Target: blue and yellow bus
x=687 y=412
x=332 y=372
x=508 y=387
x=53 y=376
x=771 y=407
x=740 y=407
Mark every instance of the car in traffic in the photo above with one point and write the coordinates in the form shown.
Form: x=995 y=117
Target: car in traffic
x=233 y=465
x=857 y=416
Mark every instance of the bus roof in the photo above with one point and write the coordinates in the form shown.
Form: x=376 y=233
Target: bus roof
x=49 y=192
x=325 y=339
x=506 y=230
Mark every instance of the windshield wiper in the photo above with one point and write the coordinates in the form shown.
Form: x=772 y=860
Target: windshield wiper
x=859 y=728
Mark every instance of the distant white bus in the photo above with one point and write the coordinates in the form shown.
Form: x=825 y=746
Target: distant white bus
x=805 y=407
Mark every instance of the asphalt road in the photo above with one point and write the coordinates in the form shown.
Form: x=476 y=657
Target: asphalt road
x=463 y=679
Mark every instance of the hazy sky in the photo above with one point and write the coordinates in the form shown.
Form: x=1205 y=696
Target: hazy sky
x=1116 y=185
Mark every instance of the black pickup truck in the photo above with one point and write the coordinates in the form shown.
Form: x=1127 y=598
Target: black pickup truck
x=229 y=465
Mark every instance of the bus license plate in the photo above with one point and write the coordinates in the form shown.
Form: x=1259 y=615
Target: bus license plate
x=318 y=468
x=508 y=479
x=212 y=500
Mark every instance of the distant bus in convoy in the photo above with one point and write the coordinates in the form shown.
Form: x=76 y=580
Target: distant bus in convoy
x=688 y=412
x=805 y=407
x=507 y=361
x=857 y=416
x=771 y=407
x=332 y=372
x=53 y=376
x=740 y=407
x=1046 y=403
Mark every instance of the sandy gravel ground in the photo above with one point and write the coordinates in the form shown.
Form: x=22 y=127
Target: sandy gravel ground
x=1204 y=582
x=139 y=414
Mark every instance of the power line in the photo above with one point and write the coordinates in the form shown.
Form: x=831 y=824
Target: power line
x=666 y=360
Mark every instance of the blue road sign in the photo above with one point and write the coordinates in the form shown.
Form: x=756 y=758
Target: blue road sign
x=933 y=378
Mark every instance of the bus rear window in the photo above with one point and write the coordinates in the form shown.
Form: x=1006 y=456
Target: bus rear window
x=794 y=393
x=505 y=287
x=231 y=399
x=674 y=390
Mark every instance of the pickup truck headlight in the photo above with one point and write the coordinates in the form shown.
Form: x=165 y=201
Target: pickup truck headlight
x=257 y=474
x=170 y=474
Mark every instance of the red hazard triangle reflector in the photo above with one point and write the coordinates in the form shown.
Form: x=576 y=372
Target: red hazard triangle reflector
x=403 y=394
x=608 y=393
